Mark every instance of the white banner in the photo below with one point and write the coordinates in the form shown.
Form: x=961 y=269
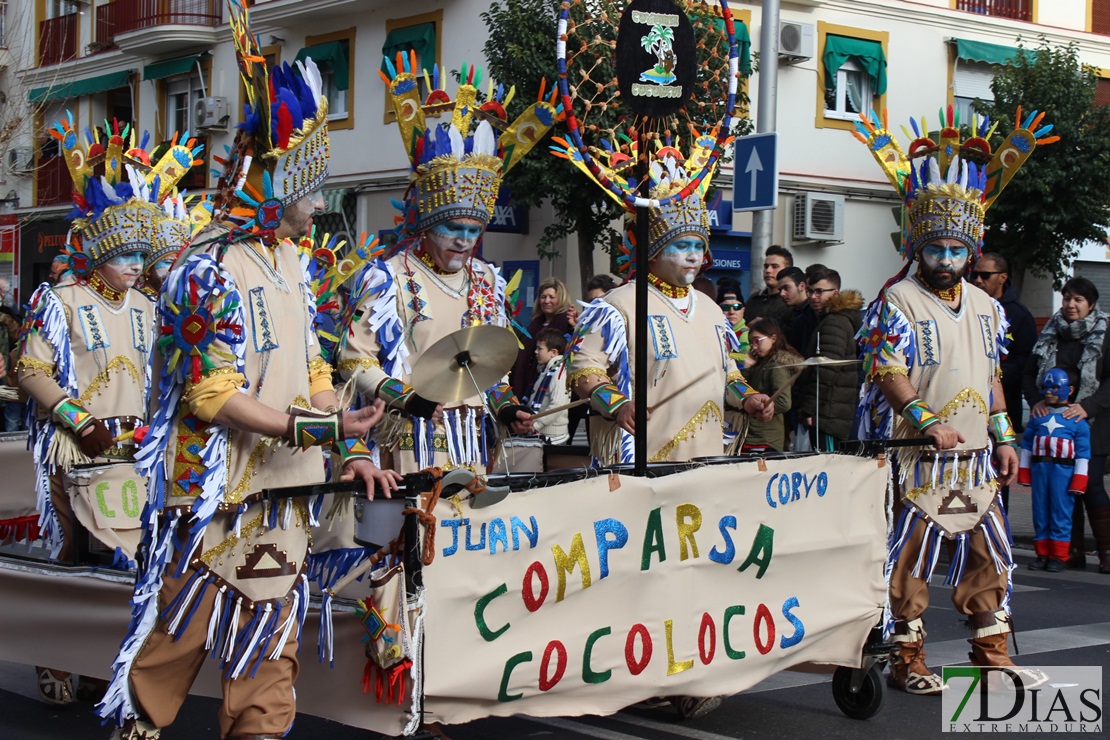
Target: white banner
x=587 y=597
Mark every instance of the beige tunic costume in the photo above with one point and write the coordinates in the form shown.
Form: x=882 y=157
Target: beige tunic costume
x=688 y=368
x=951 y=357
x=241 y=323
x=404 y=306
x=80 y=345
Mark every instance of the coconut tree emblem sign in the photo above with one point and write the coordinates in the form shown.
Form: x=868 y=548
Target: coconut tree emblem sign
x=659 y=41
x=656 y=61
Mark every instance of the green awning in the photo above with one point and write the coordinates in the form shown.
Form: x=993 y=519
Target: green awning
x=867 y=54
x=169 y=68
x=333 y=54
x=77 y=88
x=420 y=38
x=981 y=51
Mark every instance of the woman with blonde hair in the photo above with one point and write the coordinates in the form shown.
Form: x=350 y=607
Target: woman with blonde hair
x=553 y=310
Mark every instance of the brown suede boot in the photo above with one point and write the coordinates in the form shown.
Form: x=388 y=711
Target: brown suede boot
x=1100 y=523
x=908 y=670
x=988 y=648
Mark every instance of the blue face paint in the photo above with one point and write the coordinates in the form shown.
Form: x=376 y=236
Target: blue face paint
x=163 y=264
x=939 y=253
x=127 y=260
x=684 y=246
x=460 y=231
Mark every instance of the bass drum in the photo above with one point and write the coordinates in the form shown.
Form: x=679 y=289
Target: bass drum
x=108 y=500
x=18 y=515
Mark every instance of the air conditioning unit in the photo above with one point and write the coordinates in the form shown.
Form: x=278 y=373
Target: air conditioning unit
x=797 y=42
x=21 y=159
x=210 y=114
x=819 y=217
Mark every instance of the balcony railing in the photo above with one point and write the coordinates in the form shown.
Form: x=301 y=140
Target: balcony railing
x=1021 y=10
x=121 y=16
x=57 y=39
x=52 y=182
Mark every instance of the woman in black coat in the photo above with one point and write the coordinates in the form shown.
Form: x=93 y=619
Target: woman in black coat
x=1075 y=338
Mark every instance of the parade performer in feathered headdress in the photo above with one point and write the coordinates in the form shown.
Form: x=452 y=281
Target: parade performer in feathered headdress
x=245 y=402
x=690 y=372
x=434 y=284
x=932 y=344
x=85 y=356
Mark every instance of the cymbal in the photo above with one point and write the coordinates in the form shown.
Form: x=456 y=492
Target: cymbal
x=440 y=375
x=820 y=361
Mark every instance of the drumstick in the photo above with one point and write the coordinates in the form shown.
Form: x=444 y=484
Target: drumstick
x=557 y=409
x=787 y=384
x=660 y=402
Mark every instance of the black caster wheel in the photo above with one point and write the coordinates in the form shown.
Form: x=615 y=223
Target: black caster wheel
x=866 y=702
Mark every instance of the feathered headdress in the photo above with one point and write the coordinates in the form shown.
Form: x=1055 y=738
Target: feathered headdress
x=117 y=189
x=949 y=185
x=281 y=151
x=177 y=225
x=456 y=173
x=670 y=173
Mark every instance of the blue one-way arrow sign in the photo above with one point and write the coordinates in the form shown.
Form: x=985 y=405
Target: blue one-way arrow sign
x=755 y=178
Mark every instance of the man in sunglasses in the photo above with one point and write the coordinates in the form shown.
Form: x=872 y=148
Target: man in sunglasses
x=992 y=275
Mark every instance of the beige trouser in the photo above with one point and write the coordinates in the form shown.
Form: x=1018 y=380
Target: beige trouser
x=981 y=589
x=165 y=668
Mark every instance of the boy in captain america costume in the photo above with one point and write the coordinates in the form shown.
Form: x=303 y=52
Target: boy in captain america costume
x=1055 y=451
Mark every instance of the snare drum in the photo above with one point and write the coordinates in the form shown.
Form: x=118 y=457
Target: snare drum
x=108 y=500
x=378 y=522
x=524 y=455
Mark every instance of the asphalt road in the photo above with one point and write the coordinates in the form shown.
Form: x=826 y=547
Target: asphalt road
x=1063 y=619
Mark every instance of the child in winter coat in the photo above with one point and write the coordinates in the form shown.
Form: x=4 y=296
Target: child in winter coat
x=550 y=389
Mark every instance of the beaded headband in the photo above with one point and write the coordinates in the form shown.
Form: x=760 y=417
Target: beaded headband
x=949 y=186
x=669 y=174
x=457 y=173
x=117 y=189
x=282 y=149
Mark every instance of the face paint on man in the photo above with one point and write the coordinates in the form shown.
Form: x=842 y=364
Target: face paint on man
x=156 y=273
x=680 y=261
x=451 y=244
x=122 y=271
x=943 y=263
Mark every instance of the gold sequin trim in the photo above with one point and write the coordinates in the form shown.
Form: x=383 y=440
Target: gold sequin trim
x=226 y=370
x=236 y=494
x=587 y=372
x=358 y=363
x=319 y=363
x=102 y=377
x=962 y=478
x=880 y=372
x=733 y=376
x=707 y=412
x=966 y=396
x=35 y=366
x=252 y=527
